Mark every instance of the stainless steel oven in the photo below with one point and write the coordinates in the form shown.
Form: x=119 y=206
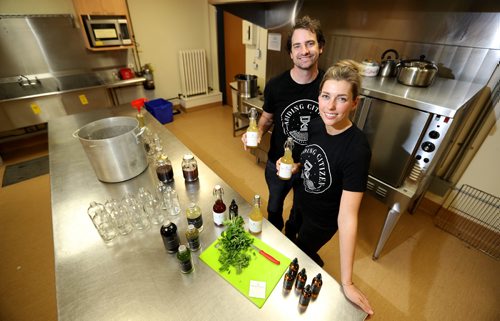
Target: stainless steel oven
x=409 y=130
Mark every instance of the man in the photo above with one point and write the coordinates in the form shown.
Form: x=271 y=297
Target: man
x=290 y=103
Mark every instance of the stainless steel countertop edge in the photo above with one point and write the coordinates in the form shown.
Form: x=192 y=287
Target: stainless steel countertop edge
x=109 y=85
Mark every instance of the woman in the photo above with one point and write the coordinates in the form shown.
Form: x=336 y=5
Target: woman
x=334 y=167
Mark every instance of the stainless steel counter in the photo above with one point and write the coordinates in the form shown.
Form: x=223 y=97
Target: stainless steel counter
x=444 y=97
x=134 y=278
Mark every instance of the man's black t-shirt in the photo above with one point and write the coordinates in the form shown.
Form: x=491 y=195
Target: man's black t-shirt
x=293 y=106
x=331 y=164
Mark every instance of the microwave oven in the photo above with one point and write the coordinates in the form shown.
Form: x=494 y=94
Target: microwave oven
x=103 y=31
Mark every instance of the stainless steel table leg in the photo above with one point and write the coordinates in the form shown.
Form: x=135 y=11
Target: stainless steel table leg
x=390 y=222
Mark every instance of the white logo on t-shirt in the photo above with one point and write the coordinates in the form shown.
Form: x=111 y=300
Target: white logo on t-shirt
x=316 y=169
x=296 y=117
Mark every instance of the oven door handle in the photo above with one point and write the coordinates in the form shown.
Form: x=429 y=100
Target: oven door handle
x=362 y=111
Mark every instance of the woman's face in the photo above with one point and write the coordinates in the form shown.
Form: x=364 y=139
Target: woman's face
x=335 y=103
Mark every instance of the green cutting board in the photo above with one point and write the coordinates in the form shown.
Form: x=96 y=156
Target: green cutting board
x=259 y=269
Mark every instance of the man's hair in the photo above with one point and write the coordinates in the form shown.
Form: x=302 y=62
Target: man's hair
x=310 y=24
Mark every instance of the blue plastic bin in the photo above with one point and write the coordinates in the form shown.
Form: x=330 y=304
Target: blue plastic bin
x=161 y=109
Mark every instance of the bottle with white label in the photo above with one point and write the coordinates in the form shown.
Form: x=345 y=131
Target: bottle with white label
x=286 y=162
x=219 y=208
x=255 y=218
x=252 y=130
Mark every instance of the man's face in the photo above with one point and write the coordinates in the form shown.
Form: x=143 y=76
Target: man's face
x=305 y=49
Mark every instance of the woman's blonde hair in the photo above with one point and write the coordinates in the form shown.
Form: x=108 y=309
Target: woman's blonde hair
x=347 y=70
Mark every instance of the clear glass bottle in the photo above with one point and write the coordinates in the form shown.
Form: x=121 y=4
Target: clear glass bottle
x=286 y=161
x=219 y=208
x=189 y=168
x=175 y=206
x=252 y=130
x=255 y=217
x=194 y=216
x=233 y=210
x=102 y=221
x=137 y=215
x=164 y=170
x=119 y=216
x=193 y=238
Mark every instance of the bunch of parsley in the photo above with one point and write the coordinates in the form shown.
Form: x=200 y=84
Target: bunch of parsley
x=233 y=246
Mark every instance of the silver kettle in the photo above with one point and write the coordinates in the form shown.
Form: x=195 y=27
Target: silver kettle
x=388 y=66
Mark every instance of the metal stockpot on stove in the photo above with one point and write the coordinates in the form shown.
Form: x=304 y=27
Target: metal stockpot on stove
x=416 y=72
x=114 y=148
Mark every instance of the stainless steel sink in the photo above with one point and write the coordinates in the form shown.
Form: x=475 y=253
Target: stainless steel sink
x=11 y=90
x=78 y=81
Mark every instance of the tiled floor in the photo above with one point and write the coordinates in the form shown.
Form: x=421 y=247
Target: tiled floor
x=422 y=274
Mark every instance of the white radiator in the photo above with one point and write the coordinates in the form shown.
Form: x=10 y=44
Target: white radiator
x=193 y=70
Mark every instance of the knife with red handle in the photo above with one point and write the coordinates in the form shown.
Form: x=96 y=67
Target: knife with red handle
x=266 y=255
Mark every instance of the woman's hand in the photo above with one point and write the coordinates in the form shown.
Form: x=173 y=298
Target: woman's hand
x=244 y=140
x=357 y=297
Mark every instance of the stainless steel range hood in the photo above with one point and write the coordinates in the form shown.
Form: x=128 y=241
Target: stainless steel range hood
x=268 y=14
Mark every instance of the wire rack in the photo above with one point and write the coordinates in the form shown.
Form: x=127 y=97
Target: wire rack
x=474 y=217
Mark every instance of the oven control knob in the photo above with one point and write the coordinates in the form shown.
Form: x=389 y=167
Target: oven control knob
x=428 y=147
x=434 y=134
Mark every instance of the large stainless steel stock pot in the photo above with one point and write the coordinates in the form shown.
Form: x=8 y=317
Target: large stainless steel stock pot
x=114 y=148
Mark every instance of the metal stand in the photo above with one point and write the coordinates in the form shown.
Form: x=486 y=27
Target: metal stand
x=238 y=116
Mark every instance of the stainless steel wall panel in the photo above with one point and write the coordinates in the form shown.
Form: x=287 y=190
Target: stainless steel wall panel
x=92 y=99
x=53 y=44
x=460 y=36
x=28 y=112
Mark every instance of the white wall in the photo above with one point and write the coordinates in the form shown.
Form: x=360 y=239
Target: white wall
x=483 y=172
x=162 y=28
x=257 y=65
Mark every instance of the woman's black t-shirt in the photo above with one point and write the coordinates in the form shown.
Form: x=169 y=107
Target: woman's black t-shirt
x=331 y=164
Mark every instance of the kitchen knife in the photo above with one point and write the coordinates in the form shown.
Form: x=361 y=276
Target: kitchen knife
x=266 y=255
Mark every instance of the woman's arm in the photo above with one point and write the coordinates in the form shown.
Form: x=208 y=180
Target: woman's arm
x=348 y=226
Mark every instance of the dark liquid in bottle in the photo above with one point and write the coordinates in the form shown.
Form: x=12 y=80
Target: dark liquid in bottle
x=219 y=206
x=165 y=173
x=190 y=175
